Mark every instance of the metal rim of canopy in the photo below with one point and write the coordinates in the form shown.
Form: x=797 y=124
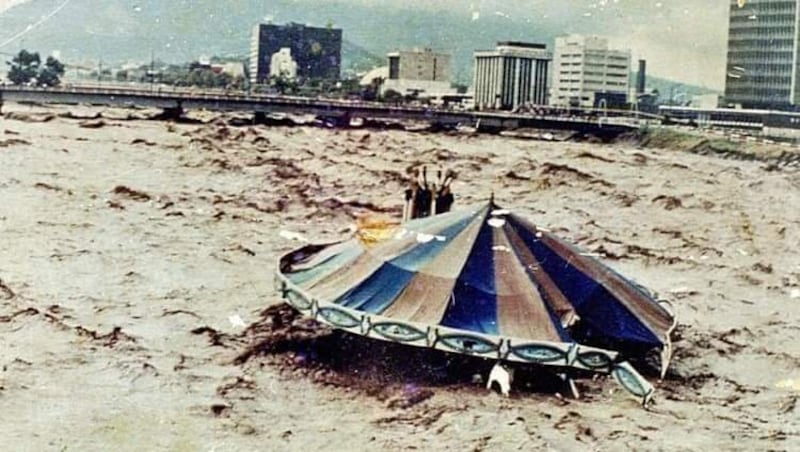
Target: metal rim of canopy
x=500 y=348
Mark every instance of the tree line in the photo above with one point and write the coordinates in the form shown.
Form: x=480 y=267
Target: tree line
x=26 y=68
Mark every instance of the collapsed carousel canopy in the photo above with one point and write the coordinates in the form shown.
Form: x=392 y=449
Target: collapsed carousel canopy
x=482 y=282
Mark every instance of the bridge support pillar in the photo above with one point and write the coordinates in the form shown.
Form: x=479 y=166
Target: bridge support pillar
x=493 y=129
x=441 y=126
x=172 y=113
x=341 y=121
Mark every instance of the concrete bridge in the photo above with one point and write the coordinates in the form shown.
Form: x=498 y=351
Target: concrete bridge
x=174 y=101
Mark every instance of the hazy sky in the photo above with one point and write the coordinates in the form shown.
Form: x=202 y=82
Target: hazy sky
x=681 y=39
x=5 y=4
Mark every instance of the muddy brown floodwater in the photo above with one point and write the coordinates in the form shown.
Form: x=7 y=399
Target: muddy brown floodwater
x=137 y=310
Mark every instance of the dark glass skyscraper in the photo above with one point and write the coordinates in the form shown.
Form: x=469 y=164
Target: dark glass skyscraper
x=317 y=51
x=762 y=69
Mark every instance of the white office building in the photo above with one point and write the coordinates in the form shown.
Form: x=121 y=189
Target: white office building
x=511 y=76
x=282 y=64
x=586 y=73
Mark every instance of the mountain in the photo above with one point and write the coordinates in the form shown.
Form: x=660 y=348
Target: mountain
x=677 y=91
x=175 y=31
x=181 y=30
x=356 y=59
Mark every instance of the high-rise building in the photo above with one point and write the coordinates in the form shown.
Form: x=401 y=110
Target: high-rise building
x=419 y=65
x=586 y=73
x=317 y=52
x=418 y=71
x=512 y=75
x=762 y=68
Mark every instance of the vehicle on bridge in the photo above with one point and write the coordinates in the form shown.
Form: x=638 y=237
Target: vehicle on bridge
x=730 y=117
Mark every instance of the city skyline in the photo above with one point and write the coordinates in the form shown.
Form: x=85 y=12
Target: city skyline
x=679 y=40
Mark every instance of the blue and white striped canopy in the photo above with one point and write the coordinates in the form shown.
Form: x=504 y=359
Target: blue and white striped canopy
x=480 y=281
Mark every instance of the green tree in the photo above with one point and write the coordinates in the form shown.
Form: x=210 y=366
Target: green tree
x=222 y=80
x=372 y=91
x=283 y=84
x=392 y=96
x=51 y=73
x=205 y=78
x=238 y=82
x=105 y=74
x=24 y=67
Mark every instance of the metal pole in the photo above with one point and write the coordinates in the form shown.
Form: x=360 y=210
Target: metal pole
x=152 y=71
x=604 y=106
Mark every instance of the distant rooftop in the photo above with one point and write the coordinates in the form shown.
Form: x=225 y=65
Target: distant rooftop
x=527 y=45
x=516 y=49
x=296 y=25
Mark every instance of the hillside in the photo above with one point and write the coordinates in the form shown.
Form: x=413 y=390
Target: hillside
x=117 y=30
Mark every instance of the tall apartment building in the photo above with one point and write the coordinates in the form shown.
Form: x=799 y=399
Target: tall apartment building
x=421 y=71
x=762 y=68
x=316 y=51
x=419 y=65
x=586 y=73
x=512 y=75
